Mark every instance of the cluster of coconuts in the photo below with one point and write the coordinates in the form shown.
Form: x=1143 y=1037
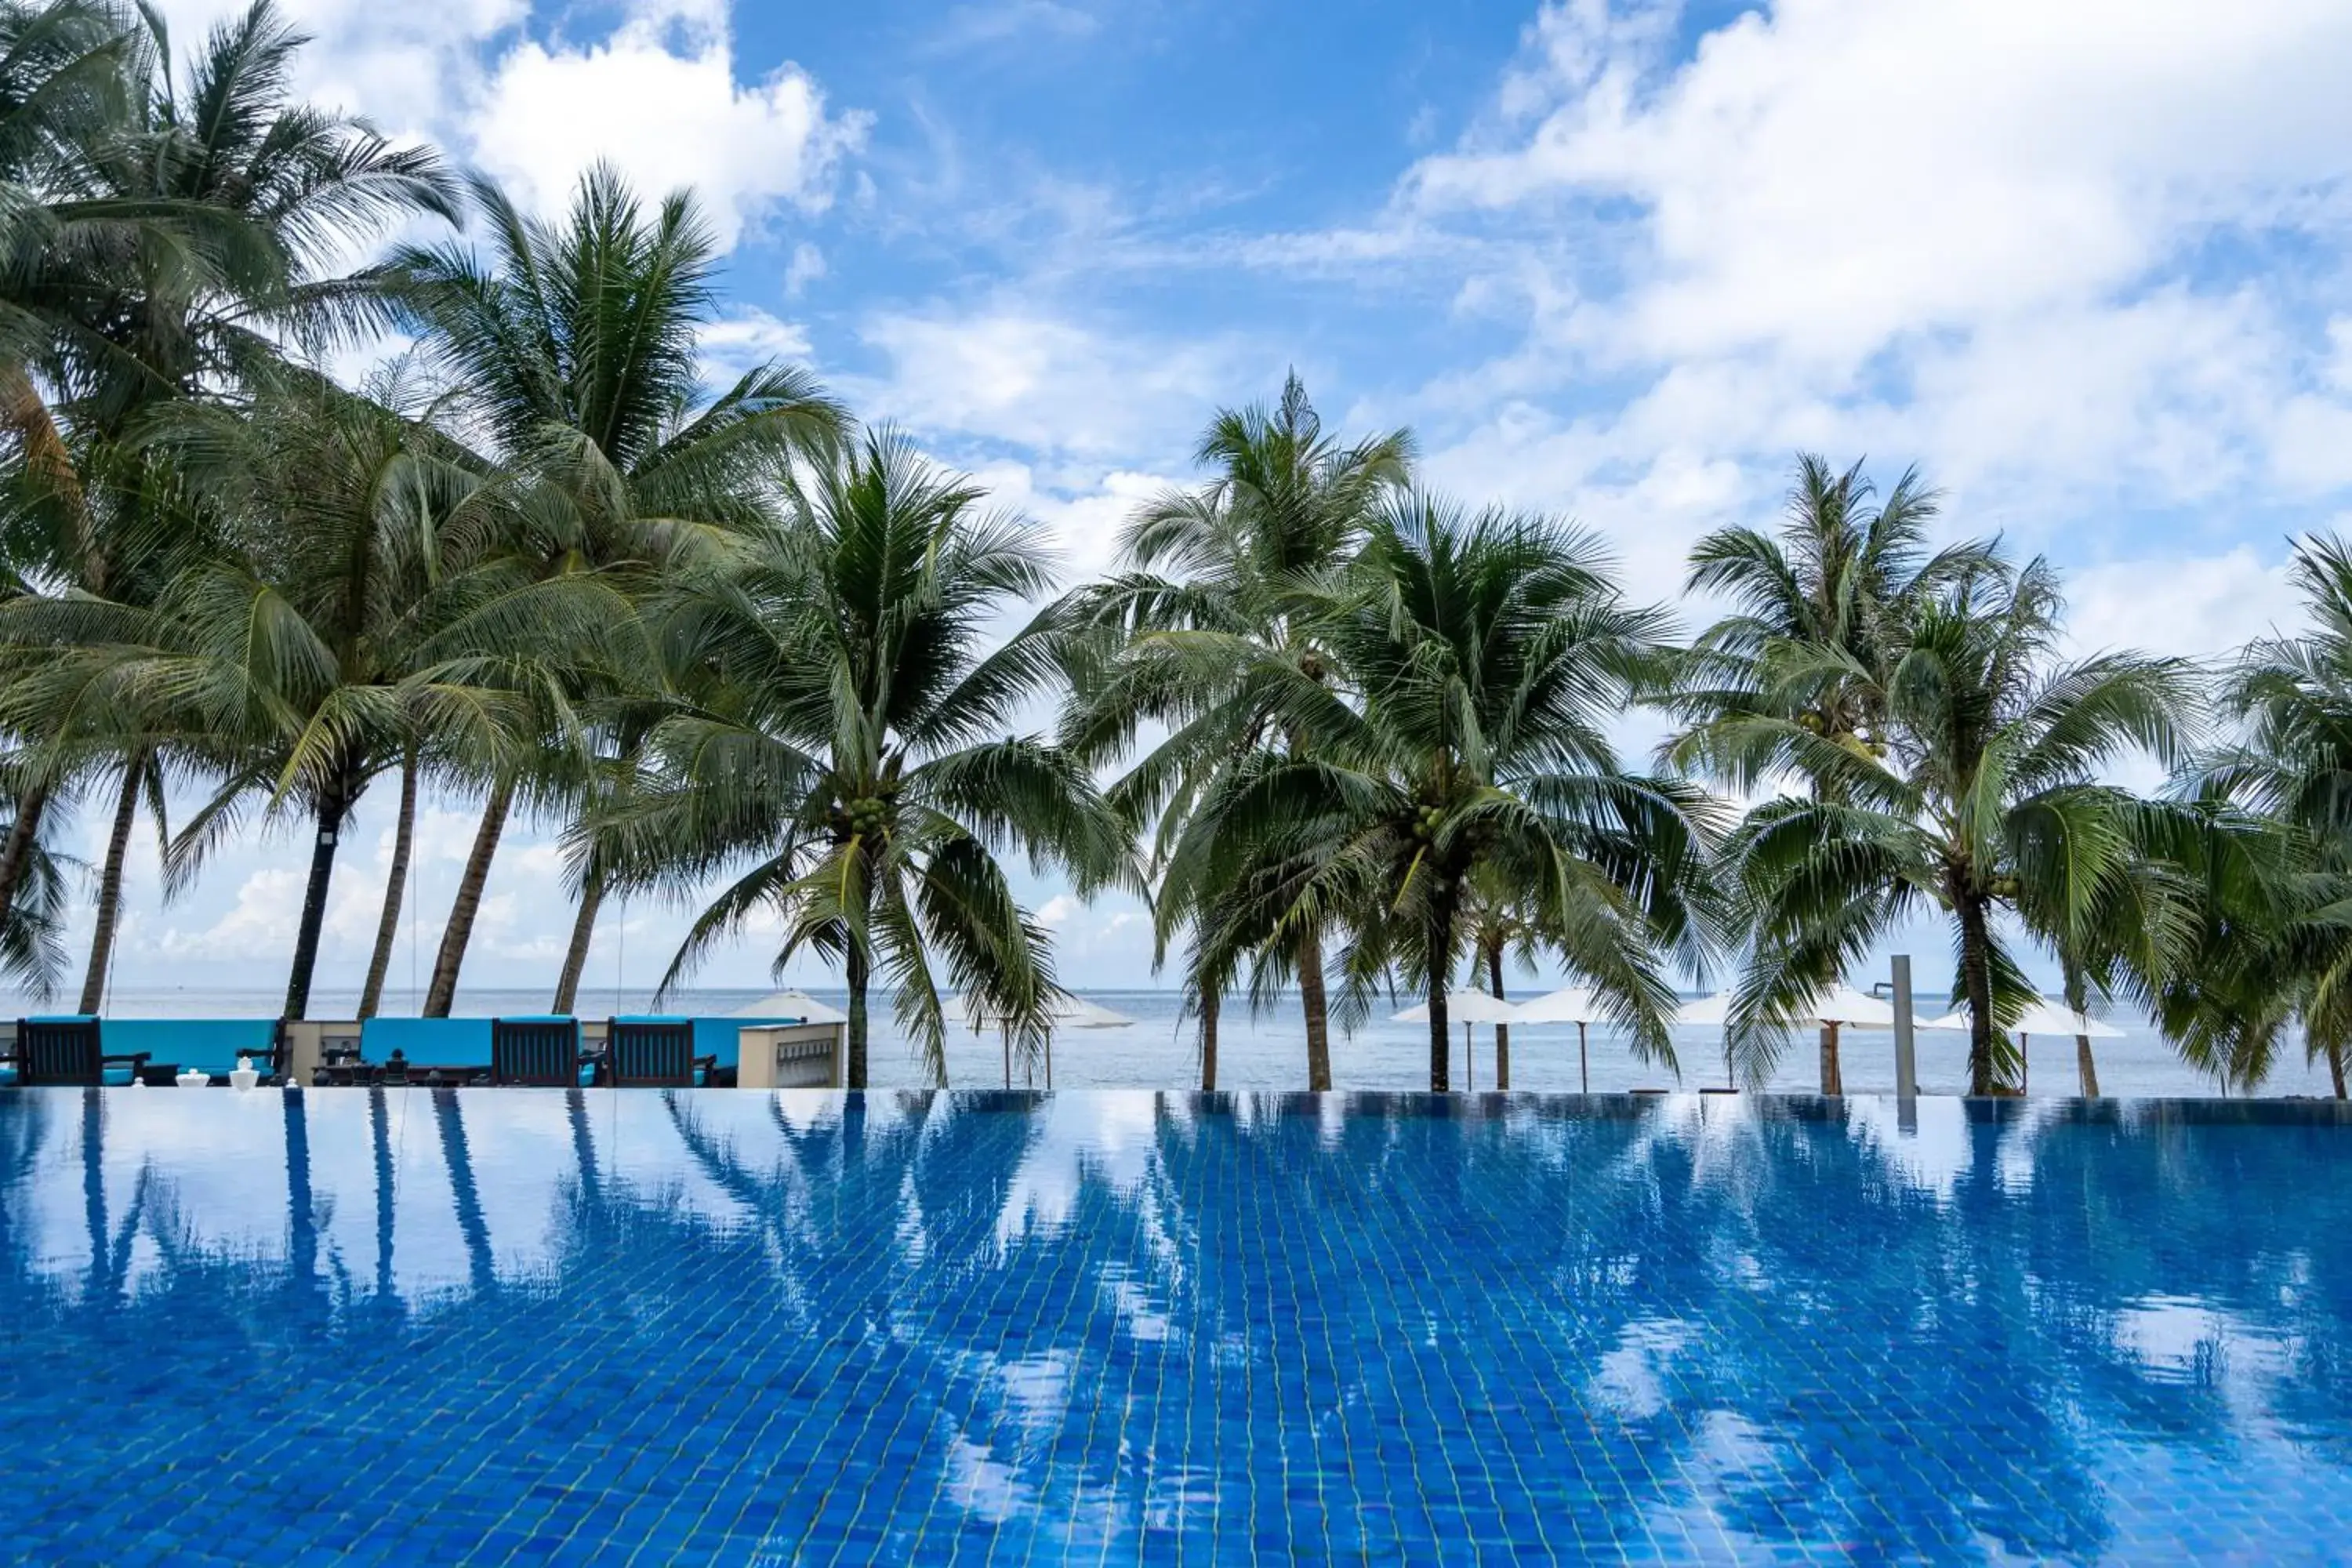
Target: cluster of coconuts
x=1813 y=724
x=869 y=815
x=1426 y=820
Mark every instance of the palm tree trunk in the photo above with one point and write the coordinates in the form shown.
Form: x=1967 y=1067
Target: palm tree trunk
x=2336 y=1068
x=16 y=850
x=1440 y=964
x=1976 y=981
x=1319 y=1019
x=334 y=801
x=1502 y=1031
x=442 y=992
x=575 y=957
x=109 y=882
x=395 y=890
x=2078 y=1003
x=2089 y=1069
x=1210 y=1002
x=855 y=1078
x=1832 y=1071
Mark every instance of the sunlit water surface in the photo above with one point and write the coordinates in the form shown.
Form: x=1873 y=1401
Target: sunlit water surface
x=517 y=1326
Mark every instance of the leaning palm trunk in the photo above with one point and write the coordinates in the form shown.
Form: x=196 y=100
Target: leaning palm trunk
x=17 y=849
x=2336 y=1068
x=1976 y=979
x=2089 y=1069
x=1833 y=1070
x=334 y=802
x=395 y=889
x=442 y=992
x=109 y=883
x=1209 y=1003
x=575 y=956
x=1312 y=999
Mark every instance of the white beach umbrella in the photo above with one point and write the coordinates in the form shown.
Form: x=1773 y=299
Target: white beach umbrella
x=1576 y=1004
x=1064 y=1012
x=1843 y=1008
x=2043 y=1017
x=791 y=1004
x=1473 y=1007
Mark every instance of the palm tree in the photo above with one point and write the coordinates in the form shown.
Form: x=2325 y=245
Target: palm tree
x=1988 y=799
x=191 y=236
x=574 y=348
x=1845 y=573
x=366 y=607
x=2279 y=949
x=1214 y=633
x=1485 y=654
x=1500 y=929
x=849 y=736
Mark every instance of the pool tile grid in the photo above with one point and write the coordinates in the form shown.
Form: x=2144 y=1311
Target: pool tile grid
x=1012 y=1330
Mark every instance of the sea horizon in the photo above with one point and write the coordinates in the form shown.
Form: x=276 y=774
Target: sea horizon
x=1265 y=1050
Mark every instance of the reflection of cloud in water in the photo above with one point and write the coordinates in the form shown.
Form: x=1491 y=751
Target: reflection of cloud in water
x=1931 y=1153
x=1066 y=1328
x=1103 y=1135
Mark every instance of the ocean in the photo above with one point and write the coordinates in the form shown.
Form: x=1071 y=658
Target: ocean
x=1268 y=1051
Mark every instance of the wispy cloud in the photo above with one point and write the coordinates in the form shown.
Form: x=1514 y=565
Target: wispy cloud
x=976 y=25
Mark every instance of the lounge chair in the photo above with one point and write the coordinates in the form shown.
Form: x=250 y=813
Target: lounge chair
x=652 y=1053
x=66 y=1052
x=540 y=1052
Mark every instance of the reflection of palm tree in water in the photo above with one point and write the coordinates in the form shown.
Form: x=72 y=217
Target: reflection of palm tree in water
x=482 y=1265
x=1784 y=1296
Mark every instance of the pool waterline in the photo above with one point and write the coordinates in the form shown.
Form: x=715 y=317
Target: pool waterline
x=505 y=1324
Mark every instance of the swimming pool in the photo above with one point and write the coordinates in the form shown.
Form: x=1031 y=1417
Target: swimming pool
x=523 y=1326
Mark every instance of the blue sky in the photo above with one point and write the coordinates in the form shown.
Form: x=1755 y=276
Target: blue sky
x=2084 y=264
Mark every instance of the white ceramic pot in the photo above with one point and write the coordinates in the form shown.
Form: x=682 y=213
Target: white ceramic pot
x=191 y=1078
x=244 y=1078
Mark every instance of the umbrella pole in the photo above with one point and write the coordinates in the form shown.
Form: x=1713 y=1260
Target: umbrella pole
x=1470 y=1059
x=1583 y=1059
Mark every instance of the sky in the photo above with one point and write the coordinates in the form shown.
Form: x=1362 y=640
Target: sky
x=2082 y=264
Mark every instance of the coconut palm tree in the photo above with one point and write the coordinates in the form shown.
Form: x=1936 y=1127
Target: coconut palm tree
x=1844 y=571
x=1989 y=799
x=367 y=605
x=1214 y=631
x=850 y=737
x=574 y=346
x=1485 y=654
x=2278 y=950
x=197 y=227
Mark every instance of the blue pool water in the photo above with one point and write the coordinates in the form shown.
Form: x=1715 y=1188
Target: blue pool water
x=526 y=1326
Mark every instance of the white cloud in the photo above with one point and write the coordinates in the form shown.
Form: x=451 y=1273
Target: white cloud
x=805 y=267
x=2196 y=605
x=2060 y=253
x=402 y=66
x=1838 y=172
x=1048 y=383
x=658 y=96
x=1084 y=518
x=259 y=925
x=745 y=338
x=659 y=100
x=1000 y=21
